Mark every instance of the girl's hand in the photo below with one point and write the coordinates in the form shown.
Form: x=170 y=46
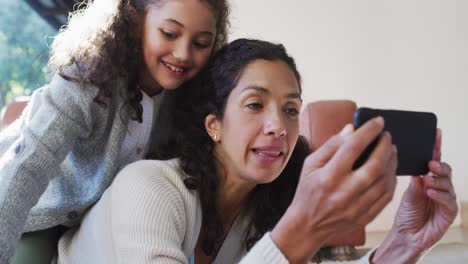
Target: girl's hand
x=426 y=211
x=331 y=197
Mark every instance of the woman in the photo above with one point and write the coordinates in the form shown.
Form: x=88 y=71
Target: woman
x=231 y=195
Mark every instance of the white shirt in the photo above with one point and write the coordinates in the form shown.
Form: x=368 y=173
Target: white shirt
x=137 y=140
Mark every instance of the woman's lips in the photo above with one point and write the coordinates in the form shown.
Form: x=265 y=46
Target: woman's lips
x=268 y=154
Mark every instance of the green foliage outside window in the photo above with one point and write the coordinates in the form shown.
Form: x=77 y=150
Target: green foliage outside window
x=24 y=41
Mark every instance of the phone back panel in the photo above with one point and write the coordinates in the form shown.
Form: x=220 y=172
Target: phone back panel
x=412 y=132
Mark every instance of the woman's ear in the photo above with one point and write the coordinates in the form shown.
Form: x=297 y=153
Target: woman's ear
x=213 y=127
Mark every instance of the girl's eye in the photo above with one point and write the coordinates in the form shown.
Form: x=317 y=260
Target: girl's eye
x=255 y=106
x=200 y=45
x=168 y=34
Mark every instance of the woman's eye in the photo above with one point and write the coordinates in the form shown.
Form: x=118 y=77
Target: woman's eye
x=255 y=106
x=292 y=111
x=168 y=34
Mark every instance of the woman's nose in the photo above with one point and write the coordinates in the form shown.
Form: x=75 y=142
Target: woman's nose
x=274 y=125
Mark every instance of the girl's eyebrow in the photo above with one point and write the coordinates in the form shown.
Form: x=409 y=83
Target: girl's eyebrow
x=174 y=21
x=263 y=90
x=171 y=20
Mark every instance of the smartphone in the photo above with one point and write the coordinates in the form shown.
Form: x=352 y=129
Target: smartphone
x=413 y=133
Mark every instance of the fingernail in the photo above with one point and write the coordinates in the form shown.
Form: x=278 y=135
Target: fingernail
x=380 y=120
x=346 y=130
x=389 y=135
x=437 y=165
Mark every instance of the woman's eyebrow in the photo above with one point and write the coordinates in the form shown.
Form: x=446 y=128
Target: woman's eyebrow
x=294 y=96
x=263 y=90
x=257 y=88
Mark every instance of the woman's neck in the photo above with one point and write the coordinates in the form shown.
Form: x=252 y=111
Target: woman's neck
x=233 y=190
x=232 y=196
x=233 y=193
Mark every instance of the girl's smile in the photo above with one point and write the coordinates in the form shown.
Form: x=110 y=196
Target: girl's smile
x=176 y=43
x=178 y=70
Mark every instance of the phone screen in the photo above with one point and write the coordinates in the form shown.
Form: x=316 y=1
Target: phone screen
x=412 y=132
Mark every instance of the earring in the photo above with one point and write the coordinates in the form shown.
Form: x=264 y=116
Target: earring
x=215 y=137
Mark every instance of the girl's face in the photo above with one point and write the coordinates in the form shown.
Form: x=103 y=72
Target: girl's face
x=260 y=126
x=178 y=37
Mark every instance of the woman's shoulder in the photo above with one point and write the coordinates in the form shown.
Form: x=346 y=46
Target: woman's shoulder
x=152 y=174
x=170 y=168
x=153 y=185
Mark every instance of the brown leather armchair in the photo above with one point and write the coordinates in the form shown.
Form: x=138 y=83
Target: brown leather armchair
x=318 y=122
x=12 y=111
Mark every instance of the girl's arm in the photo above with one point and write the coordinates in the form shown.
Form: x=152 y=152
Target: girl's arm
x=53 y=120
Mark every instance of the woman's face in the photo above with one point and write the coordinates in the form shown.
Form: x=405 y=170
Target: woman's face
x=260 y=126
x=178 y=37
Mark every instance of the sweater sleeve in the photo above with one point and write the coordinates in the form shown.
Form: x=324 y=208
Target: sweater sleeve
x=56 y=116
x=266 y=251
x=148 y=216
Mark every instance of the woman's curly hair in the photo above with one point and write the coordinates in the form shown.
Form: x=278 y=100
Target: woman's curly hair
x=103 y=39
x=208 y=94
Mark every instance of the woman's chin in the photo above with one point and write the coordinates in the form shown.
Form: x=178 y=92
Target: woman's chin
x=263 y=176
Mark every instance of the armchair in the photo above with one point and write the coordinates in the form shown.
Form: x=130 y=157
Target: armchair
x=319 y=121
x=12 y=111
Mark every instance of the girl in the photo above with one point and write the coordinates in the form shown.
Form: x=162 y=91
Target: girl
x=111 y=64
x=236 y=175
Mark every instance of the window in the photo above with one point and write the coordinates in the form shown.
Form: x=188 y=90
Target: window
x=24 y=42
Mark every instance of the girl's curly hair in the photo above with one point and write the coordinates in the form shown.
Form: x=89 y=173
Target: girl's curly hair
x=208 y=94
x=103 y=39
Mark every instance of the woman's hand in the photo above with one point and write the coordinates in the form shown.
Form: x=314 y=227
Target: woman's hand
x=332 y=197
x=427 y=209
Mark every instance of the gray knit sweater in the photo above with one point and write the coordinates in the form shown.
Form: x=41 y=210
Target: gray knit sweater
x=58 y=158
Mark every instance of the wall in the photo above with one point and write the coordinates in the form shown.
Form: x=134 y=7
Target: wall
x=389 y=54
